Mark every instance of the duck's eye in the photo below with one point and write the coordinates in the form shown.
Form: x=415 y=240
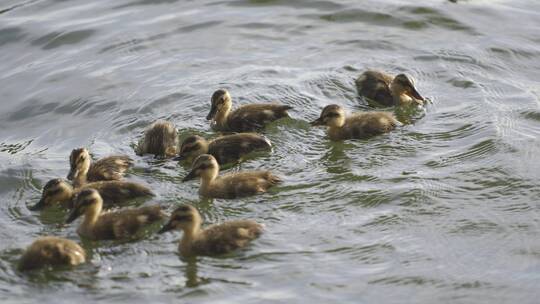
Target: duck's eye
x=53 y=192
x=204 y=166
x=183 y=218
x=331 y=115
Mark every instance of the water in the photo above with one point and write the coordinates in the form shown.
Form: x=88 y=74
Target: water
x=445 y=209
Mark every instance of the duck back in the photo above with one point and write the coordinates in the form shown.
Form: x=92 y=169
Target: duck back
x=254 y=117
x=231 y=148
x=226 y=237
x=109 y=168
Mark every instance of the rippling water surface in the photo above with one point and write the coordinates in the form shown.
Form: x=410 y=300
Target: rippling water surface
x=445 y=209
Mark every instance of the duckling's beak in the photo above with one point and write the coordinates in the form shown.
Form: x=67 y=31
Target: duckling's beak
x=167 y=227
x=317 y=122
x=414 y=93
x=212 y=113
x=190 y=176
x=40 y=205
x=73 y=215
x=72 y=173
x=179 y=157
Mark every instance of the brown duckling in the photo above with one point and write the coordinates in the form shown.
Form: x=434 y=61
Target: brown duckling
x=108 y=168
x=246 y=118
x=230 y=185
x=160 y=139
x=51 y=251
x=226 y=149
x=388 y=90
x=122 y=224
x=357 y=125
x=58 y=191
x=214 y=240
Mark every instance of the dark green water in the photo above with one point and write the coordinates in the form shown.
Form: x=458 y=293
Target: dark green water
x=443 y=210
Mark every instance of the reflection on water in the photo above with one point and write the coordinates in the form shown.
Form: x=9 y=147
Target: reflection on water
x=443 y=209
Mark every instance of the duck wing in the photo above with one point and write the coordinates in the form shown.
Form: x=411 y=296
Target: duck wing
x=231 y=148
x=109 y=168
x=227 y=237
x=254 y=117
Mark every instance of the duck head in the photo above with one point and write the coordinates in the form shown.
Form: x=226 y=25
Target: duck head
x=221 y=103
x=192 y=147
x=79 y=163
x=185 y=217
x=403 y=84
x=55 y=191
x=331 y=116
x=204 y=166
x=88 y=200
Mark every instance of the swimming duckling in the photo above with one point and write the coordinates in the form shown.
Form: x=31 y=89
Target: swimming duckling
x=246 y=118
x=226 y=149
x=230 y=185
x=160 y=139
x=120 y=224
x=357 y=125
x=216 y=239
x=58 y=191
x=108 y=168
x=51 y=251
x=388 y=90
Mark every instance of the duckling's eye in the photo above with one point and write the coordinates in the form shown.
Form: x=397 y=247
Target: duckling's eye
x=330 y=115
x=54 y=192
x=204 y=166
x=183 y=218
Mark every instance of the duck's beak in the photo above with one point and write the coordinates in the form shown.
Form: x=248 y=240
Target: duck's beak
x=72 y=173
x=167 y=227
x=73 y=215
x=179 y=157
x=190 y=176
x=414 y=93
x=317 y=122
x=212 y=113
x=40 y=205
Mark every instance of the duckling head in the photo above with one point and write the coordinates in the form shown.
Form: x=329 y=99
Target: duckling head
x=86 y=200
x=331 y=116
x=55 y=191
x=402 y=84
x=185 y=218
x=79 y=162
x=221 y=103
x=204 y=166
x=192 y=147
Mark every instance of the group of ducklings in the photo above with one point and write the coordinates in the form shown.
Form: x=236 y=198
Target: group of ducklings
x=100 y=185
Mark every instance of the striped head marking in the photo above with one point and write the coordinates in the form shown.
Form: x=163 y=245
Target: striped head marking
x=331 y=115
x=55 y=191
x=79 y=162
x=193 y=146
x=220 y=101
x=86 y=199
x=204 y=165
x=403 y=84
x=183 y=217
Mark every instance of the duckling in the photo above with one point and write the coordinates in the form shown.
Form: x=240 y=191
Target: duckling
x=226 y=149
x=357 y=125
x=121 y=224
x=231 y=185
x=388 y=90
x=160 y=139
x=51 y=251
x=58 y=191
x=216 y=239
x=108 y=168
x=246 y=118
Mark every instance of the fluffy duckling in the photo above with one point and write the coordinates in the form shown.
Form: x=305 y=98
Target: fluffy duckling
x=226 y=149
x=121 y=224
x=216 y=239
x=230 y=185
x=58 y=191
x=108 y=168
x=246 y=118
x=357 y=125
x=51 y=251
x=388 y=90
x=160 y=139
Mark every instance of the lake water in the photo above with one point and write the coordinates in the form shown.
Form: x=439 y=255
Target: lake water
x=444 y=209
